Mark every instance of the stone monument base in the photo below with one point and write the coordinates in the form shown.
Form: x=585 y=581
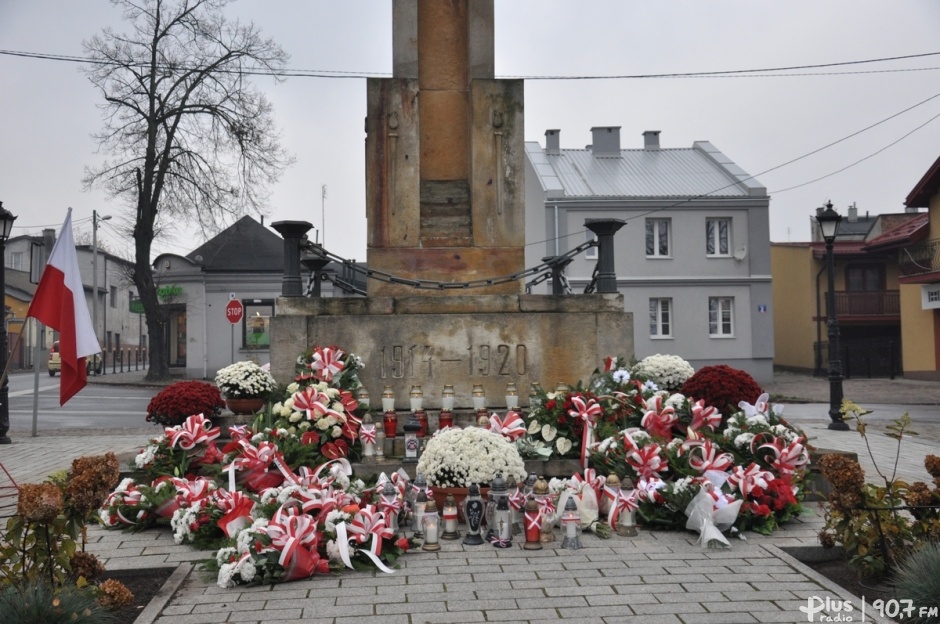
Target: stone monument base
x=463 y=340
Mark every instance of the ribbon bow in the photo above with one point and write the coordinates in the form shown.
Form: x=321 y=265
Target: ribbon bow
x=294 y=537
x=310 y=399
x=236 y=509
x=649 y=489
x=511 y=426
x=131 y=497
x=591 y=478
x=195 y=430
x=746 y=479
x=704 y=416
x=500 y=543
x=787 y=459
x=327 y=362
x=708 y=458
x=367 y=434
x=658 y=420
x=646 y=461
x=587 y=413
x=517 y=499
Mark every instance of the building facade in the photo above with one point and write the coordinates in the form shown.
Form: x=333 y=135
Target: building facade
x=692 y=261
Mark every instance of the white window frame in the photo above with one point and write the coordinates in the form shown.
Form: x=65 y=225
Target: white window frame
x=721 y=317
x=657 y=233
x=16 y=261
x=713 y=237
x=591 y=252
x=661 y=318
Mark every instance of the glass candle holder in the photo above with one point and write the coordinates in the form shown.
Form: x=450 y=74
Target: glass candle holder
x=512 y=396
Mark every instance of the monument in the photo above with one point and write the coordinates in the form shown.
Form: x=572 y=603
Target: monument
x=446 y=225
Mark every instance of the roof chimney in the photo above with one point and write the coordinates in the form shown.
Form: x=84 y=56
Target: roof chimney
x=853 y=213
x=606 y=141
x=651 y=140
x=552 y=138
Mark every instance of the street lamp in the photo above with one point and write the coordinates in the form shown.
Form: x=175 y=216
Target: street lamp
x=828 y=221
x=6 y=226
x=95 y=218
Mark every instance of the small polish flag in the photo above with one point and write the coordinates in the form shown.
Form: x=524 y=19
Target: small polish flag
x=59 y=303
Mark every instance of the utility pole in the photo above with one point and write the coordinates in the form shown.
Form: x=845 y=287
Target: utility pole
x=94 y=277
x=323 y=213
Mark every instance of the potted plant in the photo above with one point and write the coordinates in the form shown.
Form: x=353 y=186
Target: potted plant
x=245 y=386
x=178 y=401
x=456 y=458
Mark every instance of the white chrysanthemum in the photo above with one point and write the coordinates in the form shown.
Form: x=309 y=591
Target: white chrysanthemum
x=743 y=440
x=758 y=419
x=145 y=457
x=471 y=455
x=332 y=551
x=246 y=569
x=675 y=401
x=226 y=572
x=224 y=554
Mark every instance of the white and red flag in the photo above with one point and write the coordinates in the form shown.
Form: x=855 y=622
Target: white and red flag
x=60 y=303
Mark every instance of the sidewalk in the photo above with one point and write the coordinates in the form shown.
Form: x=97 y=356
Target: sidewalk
x=657 y=577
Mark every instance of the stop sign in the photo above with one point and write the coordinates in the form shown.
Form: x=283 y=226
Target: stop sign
x=234 y=311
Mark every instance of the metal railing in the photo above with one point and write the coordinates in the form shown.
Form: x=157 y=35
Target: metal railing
x=119 y=361
x=919 y=259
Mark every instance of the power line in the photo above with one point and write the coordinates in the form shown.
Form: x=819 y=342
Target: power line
x=326 y=73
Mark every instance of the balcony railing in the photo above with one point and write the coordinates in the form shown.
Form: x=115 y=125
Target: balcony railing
x=919 y=259
x=868 y=303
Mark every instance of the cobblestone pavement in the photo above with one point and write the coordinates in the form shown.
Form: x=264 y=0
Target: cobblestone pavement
x=656 y=577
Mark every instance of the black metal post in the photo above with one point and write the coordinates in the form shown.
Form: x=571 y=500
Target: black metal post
x=293 y=232
x=4 y=355
x=557 y=264
x=835 y=363
x=606 y=272
x=315 y=264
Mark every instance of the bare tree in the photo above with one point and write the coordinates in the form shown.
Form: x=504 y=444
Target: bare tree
x=187 y=135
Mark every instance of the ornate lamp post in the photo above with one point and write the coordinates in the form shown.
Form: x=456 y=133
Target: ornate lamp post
x=828 y=221
x=6 y=226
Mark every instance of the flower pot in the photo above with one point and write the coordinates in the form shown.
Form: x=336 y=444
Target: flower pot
x=244 y=406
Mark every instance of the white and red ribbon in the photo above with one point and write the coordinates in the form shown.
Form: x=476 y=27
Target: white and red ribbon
x=707 y=457
x=327 y=362
x=511 y=426
x=647 y=461
x=587 y=412
x=197 y=429
x=746 y=479
x=703 y=416
x=658 y=420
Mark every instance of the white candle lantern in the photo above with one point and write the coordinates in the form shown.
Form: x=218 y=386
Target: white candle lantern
x=388 y=399
x=626 y=522
x=448 y=397
x=450 y=519
x=431 y=523
x=362 y=396
x=571 y=521
x=478 y=398
x=512 y=396
x=417 y=514
x=535 y=396
x=503 y=529
x=417 y=399
x=367 y=436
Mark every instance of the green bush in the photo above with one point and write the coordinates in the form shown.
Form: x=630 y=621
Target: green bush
x=37 y=603
x=917 y=580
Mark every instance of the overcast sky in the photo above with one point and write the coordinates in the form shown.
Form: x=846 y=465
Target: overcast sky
x=49 y=108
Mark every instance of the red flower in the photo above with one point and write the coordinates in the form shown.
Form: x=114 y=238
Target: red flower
x=310 y=437
x=550 y=405
x=402 y=543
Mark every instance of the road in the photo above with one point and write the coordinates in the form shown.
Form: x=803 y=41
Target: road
x=97 y=407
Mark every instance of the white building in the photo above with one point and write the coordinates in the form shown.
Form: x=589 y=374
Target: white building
x=692 y=261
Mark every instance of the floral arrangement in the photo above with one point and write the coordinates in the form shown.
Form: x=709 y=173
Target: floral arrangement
x=329 y=365
x=722 y=386
x=461 y=457
x=245 y=380
x=668 y=372
x=673 y=447
x=172 y=405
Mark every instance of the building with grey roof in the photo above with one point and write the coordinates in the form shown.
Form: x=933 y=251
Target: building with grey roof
x=693 y=261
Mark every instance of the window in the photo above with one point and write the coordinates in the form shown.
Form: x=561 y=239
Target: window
x=113 y=296
x=717 y=237
x=721 y=317
x=657 y=238
x=256 y=324
x=660 y=318
x=16 y=261
x=591 y=252
x=864 y=277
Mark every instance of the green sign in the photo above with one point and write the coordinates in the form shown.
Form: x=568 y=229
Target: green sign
x=136 y=306
x=165 y=292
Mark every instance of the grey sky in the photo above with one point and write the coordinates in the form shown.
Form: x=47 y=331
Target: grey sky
x=49 y=109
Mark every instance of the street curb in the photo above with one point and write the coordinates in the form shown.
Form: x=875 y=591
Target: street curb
x=153 y=610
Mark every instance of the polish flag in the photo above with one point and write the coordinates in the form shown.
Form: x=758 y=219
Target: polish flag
x=59 y=303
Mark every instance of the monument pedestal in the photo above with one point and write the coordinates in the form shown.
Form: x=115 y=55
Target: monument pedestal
x=490 y=340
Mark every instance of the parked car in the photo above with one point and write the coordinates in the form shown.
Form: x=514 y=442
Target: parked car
x=55 y=361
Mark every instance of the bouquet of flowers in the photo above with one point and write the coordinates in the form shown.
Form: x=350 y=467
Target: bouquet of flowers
x=179 y=448
x=324 y=417
x=668 y=372
x=460 y=457
x=172 y=405
x=329 y=365
x=245 y=380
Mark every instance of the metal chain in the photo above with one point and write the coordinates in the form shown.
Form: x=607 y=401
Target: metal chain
x=436 y=285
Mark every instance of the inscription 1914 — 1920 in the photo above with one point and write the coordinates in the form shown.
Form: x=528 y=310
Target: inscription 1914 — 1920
x=482 y=360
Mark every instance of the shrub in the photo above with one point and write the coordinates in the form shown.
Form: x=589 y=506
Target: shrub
x=38 y=603
x=917 y=580
x=722 y=387
x=177 y=402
